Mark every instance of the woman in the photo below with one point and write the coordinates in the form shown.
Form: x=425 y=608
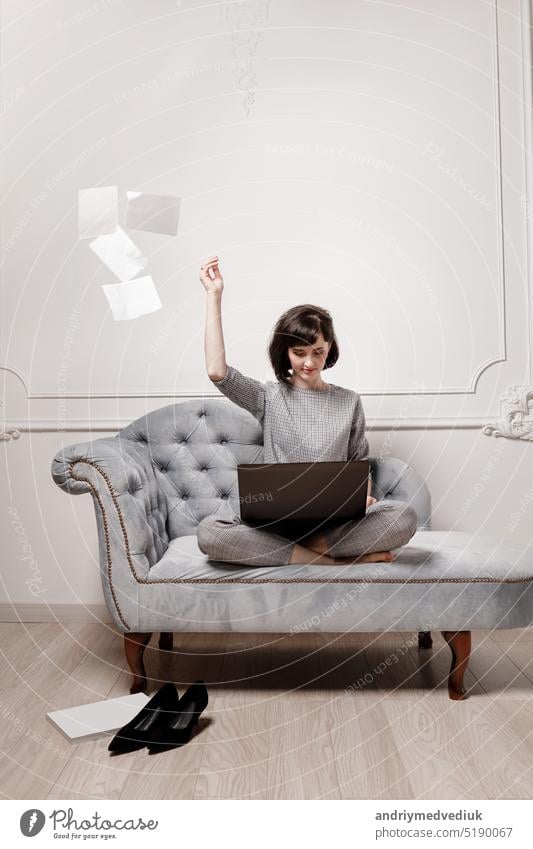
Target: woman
x=303 y=419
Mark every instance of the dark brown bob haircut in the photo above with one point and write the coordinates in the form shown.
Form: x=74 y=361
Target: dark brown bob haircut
x=300 y=325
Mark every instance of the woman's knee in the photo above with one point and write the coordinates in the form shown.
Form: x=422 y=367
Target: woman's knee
x=405 y=521
x=206 y=533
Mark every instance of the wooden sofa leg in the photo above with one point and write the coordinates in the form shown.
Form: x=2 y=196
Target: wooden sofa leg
x=134 y=645
x=166 y=640
x=424 y=640
x=460 y=644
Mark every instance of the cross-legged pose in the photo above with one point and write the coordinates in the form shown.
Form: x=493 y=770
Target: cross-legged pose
x=303 y=419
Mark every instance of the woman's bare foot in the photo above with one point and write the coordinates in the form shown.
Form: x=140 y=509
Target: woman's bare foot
x=301 y=555
x=371 y=557
x=316 y=542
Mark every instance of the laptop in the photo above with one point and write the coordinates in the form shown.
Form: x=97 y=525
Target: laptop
x=302 y=496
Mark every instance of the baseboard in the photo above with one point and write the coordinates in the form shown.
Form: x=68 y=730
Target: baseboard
x=40 y=612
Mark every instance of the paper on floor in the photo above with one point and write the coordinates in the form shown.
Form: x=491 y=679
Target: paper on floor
x=120 y=254
x=87 y=721
x=157 y=213
x=132 y=299
x=97 y=211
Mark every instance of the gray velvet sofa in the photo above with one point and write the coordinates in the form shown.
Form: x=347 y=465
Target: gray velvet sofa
x=158 y=477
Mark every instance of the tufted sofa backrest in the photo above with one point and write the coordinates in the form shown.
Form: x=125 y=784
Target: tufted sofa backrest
x=194 y=448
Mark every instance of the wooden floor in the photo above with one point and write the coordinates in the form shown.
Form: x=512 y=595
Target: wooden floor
x=302 y=716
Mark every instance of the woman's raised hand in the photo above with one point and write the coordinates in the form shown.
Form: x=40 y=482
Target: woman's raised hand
x=213 y=283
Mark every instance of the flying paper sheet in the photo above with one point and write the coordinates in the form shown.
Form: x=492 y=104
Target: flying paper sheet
x=120 y=254
x=157 y=213
x=97 y=211
x=132 y=299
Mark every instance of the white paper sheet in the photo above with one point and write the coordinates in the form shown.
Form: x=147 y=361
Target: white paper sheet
x=157 y=213
x=120 y=254
x=132 y=299
x=97 y=211
x=87 y=722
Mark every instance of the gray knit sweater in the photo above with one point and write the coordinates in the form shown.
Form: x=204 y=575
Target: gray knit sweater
x=301 y=425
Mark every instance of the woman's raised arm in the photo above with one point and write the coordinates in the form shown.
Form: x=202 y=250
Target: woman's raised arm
x=215 y=354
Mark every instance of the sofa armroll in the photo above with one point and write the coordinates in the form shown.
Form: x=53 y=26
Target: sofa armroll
x=132 y=535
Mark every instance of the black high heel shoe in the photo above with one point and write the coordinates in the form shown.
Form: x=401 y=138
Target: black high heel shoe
x=138 y=731
x=176 y=727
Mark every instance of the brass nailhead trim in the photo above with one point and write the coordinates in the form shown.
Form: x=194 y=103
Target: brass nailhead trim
x=142 y=580
x=336 y=580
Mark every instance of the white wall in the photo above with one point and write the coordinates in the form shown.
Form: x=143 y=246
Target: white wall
x=370 y=157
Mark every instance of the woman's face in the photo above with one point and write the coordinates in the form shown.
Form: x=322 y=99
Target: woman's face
x=307 y=361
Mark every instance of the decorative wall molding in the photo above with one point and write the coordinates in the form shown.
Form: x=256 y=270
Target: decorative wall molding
x=527 y=100
x=255 y=27
x=516 y=403
x=517 y=415
x=113 y=426
x=18 y=374
x=9 y=434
